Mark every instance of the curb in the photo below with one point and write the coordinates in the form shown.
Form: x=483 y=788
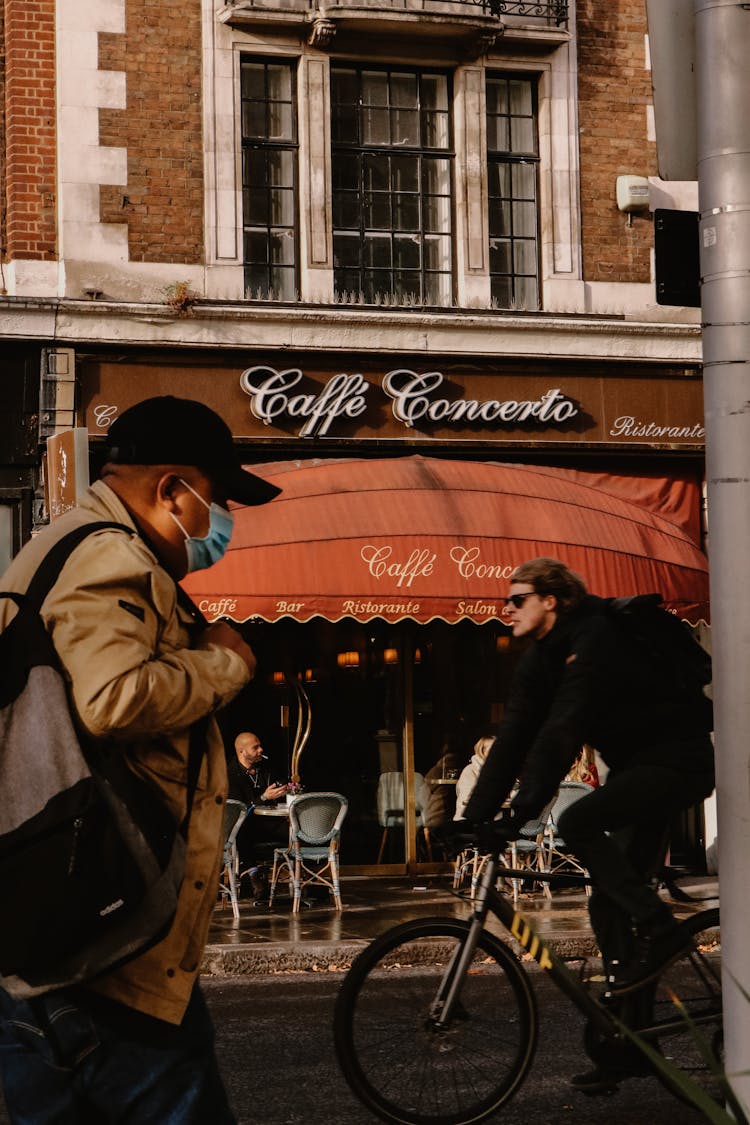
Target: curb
x=333 y=956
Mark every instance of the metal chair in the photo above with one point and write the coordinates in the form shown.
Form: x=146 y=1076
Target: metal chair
x=315 y=821
x=557 y=856
x=235 y=813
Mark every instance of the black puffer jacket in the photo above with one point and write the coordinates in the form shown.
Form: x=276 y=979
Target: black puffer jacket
x=585 y=683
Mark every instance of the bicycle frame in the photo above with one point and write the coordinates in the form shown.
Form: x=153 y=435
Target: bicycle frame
x=489 y=900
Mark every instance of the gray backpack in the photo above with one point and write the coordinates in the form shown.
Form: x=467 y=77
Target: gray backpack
x=91 y=860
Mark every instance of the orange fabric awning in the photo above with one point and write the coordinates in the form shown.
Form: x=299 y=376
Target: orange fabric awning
x=422 y=538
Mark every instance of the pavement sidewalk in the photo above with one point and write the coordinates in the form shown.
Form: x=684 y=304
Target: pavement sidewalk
x=321 y=939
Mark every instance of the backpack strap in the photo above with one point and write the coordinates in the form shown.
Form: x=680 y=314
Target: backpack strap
x=49 y=569
x=42 y=582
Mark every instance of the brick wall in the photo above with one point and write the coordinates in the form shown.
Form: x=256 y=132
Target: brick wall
x=614 y=90
x=27 y=139
x=161 y=128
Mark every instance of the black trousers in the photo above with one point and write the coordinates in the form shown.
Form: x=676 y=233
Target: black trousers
x=621 y=832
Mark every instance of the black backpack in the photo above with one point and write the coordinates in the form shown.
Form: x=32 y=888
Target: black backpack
x=91 y=860
x=667 y=653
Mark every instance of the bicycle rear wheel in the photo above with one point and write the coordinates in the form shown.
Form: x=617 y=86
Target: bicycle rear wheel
x=403 y=1067
x=683 y=1036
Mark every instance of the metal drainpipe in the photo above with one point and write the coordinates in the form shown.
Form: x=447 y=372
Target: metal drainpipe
x=722 y=43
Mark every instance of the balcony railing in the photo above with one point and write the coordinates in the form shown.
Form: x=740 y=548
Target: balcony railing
x=552 y=13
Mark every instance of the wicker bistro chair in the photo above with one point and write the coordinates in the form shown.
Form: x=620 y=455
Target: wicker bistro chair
x=557 y=856
x=312 y=856
x=235 y=813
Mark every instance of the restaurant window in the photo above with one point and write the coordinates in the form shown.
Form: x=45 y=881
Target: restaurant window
x=513 y=161
x=269 y=180
x=392 y=169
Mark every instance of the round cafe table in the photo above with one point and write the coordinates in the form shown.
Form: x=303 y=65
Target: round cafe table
x=271 y=810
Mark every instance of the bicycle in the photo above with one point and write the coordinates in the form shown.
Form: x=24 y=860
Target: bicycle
x=436 y=1021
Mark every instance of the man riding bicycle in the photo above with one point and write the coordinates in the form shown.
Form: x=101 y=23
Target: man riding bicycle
x=581 y=682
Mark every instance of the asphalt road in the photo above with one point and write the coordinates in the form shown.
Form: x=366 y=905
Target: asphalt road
x=275 y=1047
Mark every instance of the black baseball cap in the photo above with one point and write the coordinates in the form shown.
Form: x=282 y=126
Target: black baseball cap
x=179 y=431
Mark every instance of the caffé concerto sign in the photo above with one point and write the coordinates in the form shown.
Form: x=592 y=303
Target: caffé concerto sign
x=419 y=403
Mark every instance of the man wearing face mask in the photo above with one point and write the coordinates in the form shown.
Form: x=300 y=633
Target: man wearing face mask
x=142 y=672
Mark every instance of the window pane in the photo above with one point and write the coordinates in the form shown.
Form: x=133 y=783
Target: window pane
x=527 y=293
x=502 y=291
x=500 y=255
x=405 y=212
x=377 y=211
x=282 y=248
x=437 y=214
x=281 y=168
x=375 y=88
x=524 y=181
x=346 y=209
x=406 y=253
x=500 y=219
x=524 y=254
x=256 y=246
x=522 y=134
x=437 y=252
x=280 y=120
x=256 y=207
x=497 y=96
x=375 y=126
x=346 y=250
x=437 y=289
x=377 y=251
x=376 y=173
x=253 y=81
x=405 y=173
x=404 y=90
x=524 y=219
x=520 y=97
x=253 y=119
x=405 y=127
x=281 y=208
x=499 y=180
x=282 y=284
x=279 y=83
x=436 y=176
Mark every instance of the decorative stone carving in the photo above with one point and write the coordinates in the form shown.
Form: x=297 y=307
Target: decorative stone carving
x=322 y=33
x=483 y=42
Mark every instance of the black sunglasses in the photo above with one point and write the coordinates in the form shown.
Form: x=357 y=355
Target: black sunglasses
x=517 y=600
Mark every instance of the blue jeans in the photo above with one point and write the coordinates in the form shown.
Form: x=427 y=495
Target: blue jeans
x=74 y=1058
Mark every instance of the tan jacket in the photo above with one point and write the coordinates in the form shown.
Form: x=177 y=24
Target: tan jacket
x=124 y=644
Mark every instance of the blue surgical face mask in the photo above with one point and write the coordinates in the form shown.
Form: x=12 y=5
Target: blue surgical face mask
x=202 y=553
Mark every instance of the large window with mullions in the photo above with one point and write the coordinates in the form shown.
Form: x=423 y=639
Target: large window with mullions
x=513 y=161
x=392 y=166
x=269 y=180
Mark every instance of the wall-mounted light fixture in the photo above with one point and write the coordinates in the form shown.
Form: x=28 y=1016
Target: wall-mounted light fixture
x=633 y=195
x=348 y=660
x=390 y=656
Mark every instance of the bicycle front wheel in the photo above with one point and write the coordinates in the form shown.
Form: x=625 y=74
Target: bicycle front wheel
x=395 y=1057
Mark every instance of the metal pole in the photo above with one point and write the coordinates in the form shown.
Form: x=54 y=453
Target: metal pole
x=722 y=43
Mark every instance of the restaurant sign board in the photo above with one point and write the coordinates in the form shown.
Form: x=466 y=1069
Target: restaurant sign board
x=416 y=400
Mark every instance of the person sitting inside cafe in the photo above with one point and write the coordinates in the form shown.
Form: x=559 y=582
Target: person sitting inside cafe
x=250 y=782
